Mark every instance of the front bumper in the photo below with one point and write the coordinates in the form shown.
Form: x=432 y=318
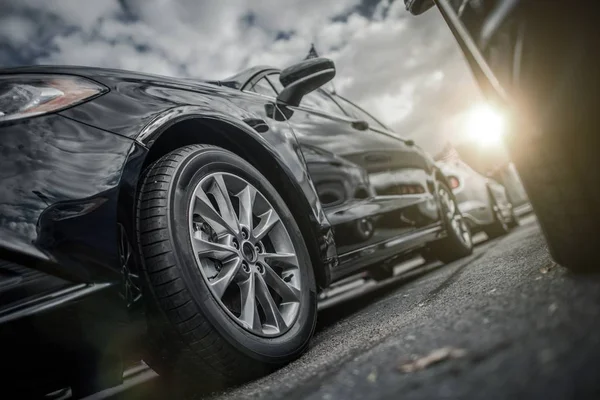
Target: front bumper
x=59 y=187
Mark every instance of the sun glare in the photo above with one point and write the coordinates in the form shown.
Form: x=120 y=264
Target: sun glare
x=485 y=125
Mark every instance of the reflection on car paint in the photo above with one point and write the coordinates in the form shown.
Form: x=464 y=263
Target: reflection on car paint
x=60 y=184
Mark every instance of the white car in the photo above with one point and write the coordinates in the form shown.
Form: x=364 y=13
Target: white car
x=483 y=201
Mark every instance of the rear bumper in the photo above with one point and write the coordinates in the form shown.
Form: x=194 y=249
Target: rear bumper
x=59 y=186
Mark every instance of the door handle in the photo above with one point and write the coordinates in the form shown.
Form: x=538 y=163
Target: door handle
x=360 y=125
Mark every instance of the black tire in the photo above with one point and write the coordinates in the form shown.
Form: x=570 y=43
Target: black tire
x=563 y=198
x=191 y=340
x=557 y=155
x=452 y=247
x=499 y=227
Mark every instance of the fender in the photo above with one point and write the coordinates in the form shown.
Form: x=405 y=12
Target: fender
x=144 y=108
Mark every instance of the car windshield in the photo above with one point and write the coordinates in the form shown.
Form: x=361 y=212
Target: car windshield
x=299 y=199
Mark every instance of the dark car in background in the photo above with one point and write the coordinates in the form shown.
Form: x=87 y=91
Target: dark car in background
x=192 y=224
x=538 y=60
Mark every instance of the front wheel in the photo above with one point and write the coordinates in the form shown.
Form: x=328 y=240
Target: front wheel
x=457 y=243
x=229 y=287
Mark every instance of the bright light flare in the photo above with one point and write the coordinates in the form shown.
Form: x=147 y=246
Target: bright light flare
x=485 y=125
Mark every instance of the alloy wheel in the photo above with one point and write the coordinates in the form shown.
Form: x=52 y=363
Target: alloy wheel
x=245 y=254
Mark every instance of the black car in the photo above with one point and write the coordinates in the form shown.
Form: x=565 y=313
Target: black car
x=192 y=224
x=538 y=60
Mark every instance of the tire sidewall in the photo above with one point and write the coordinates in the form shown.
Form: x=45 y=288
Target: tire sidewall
x=499 y=227
x=265 y=349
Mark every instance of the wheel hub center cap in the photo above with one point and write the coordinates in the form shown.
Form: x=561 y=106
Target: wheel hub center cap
x=249 y=252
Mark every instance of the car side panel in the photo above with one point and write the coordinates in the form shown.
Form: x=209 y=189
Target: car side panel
x=384 y=188
x=472 y=194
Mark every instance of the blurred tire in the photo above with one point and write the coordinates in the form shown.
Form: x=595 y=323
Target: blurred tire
x=458 y=242
x=499 y=227
x=557 y=150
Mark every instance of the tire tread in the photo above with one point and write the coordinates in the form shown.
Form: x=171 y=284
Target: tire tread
x=182 y=344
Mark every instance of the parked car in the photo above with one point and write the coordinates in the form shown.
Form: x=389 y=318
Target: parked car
x=483 y=202
x=193 y=221
x=538 y=61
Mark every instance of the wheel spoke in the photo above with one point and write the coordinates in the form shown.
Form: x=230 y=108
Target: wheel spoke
x=249 y=315
x=204 y=208
x=216 y=251
x=247 y=197
x=232 y=224
x=448 y=202
x=272 y=315
x=219 y=190
x=287 y=292
x=283 y=260
x=267 y=222
x=226 y=275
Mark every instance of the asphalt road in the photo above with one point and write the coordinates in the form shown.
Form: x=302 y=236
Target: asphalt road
x=510 y=323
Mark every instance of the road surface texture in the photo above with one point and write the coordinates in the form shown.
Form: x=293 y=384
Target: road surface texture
x=503 y=323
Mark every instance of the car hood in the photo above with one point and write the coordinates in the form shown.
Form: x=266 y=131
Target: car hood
x=100 y=73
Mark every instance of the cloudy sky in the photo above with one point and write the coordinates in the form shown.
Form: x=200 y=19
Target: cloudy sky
x=407 y=71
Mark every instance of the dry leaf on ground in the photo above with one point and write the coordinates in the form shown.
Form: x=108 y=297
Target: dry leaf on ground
x=436 y=356
x=547 y=268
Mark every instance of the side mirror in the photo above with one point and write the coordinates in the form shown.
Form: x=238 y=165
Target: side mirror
x=304 y=77
x=417 y=7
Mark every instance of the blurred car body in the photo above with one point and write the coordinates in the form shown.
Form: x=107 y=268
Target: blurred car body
x=483 y=201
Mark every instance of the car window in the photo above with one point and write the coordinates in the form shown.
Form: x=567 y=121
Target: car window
x=262 y=86
x=321 y=101
x=359 y=113
x=274 y=79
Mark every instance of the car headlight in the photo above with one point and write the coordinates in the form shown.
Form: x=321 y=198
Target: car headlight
x=23 y=96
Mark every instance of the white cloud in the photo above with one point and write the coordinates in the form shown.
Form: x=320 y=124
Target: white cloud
x=405 y=70
x=75 y=12
x=19 y=29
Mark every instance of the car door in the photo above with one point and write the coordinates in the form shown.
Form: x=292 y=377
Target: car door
x=402 y=172
x=405 y=167
x=375 y=188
